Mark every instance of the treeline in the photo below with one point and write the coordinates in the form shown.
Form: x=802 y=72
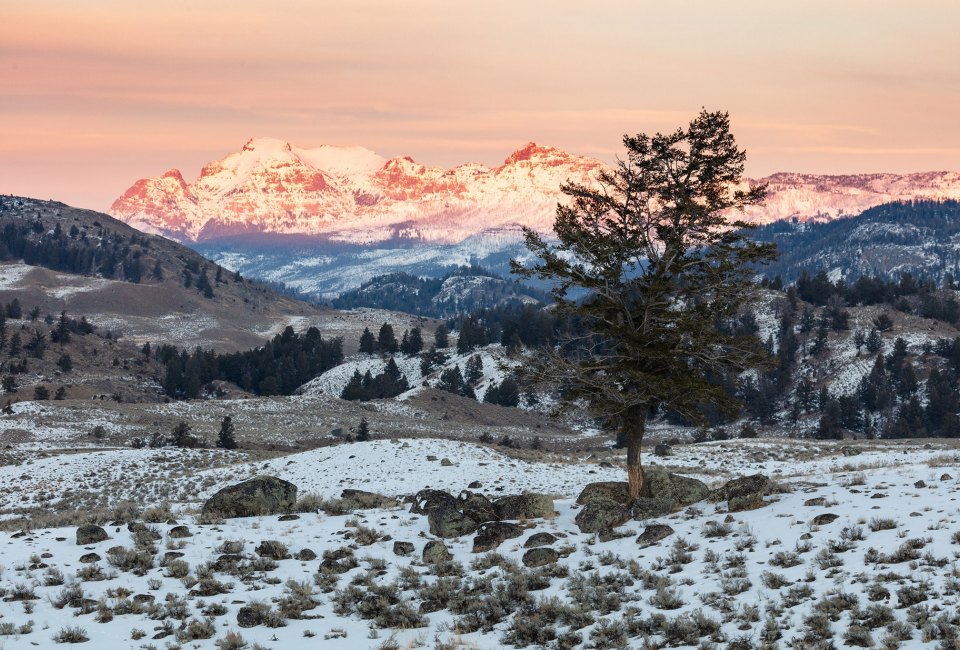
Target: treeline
x=277 y=368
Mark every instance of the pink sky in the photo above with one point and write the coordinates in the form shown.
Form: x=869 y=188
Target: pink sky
x=96 y=94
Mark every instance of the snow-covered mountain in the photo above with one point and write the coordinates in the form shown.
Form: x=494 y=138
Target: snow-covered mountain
x=351 y=194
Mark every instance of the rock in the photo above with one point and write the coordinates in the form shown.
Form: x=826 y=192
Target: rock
x=851 y=451
x=89 y=558
x=524 y=506
x=476 y=506
x=90 y=534
x=662 y=449
x=825 y=518
x=426 y=500
x=143 y=599
x=601 y=515
x=249 y=617
x=946 y=477
x=360 y=499
x=475 y=485
x=273 y=549
x=610 y=534
x=431 y=458
x=920 y=484
x=653 y=534
x=435 y=552
x=615 y=491
x=178 y=532
x=402 y=548
x=227 y=563
x=746 y=492
x=491 y=534
x=648 y=508
x=263 y=495
x=540 y=556
x=449 y=522
x=539 y=539
x=305 y=555
x=445 y=462
x=171 y=555
x=288 y=517
x=674 y=489
x=816 y=501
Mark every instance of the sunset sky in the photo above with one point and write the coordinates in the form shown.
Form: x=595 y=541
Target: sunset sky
x=96 y=94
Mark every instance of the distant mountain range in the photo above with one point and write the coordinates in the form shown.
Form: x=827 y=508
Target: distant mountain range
x=325 y=220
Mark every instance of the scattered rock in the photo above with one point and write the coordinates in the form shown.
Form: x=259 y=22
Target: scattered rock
x=662 y=449
x=449 y=522
x=89 y=558
x=825 y=518
x=615 y=491
x=475 y=485
x=435 y=552
x=178 y=532
x=920 y=484
x=90 y=534
x=305 y=555
x=653 y=534
x=425 y=500
x=539 y=539
x=445 y=462
x=601 y=515
x=540 y=556
x=402 y=548
x=361 y=500
x=946 y=477
x=273 y=549
x=490 y=535
x=746 y=492
x=263 y=495
x=524 y=506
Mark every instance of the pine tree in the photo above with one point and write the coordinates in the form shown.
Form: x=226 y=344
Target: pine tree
x=474 y=369
x=363 y=431
x=226 y=438
x=441 y=336
x=368 y=344
x=386 y=341
x=354 y=389
x=874 y=341
x=416 y=341
x=661 y=263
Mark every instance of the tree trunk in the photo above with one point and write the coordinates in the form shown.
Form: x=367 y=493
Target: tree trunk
x=634 y=425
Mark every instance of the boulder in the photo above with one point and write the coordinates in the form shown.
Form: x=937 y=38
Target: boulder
x=746 y=492
x=178 y=532
x=227 y=562
x=306 y=555
x=524 y=506
x=361 y=500
x=426 y=500
x=402 y=548
x=491 y=534
x=89 y=558
x=263 y=495
x=90 y=534
x=476 y=506
x=601 y=515
x=648 y=508
x=435 y=552
x=540 y=556
x=539 y=539
x=615 y=491
x=815 y=501
x=273 y=549
x=662 y=449
x=825 y=518
x=920 y=484
x=249 y=617
x=449 y=522
x=288 y=517
x=653 y=534
x=675 y=490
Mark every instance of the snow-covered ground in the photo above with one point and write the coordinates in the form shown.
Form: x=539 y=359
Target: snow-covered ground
x=883 y=568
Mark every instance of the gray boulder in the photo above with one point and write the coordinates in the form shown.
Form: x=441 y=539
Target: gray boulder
x=601 y=515
x=615 y=491
x=746 y=492
x=653 y=534
x=524 y=506
x=675 y=490
x=540 y=556
x=426 y=500
x=648 y=508
x=263 y=495
x=491 y=534
x=178 y=532
x=90 y=534
x=476 y=506
x=539 y=539
x=449 y=522
x=662 y=449
x=402 y=548
x=435 y=552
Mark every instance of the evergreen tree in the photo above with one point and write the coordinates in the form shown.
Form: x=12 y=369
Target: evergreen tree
x=354 y=389
x=661 y=263
x=226 y=438
x=859 y=340
x=363 y=431
x=368 y=343
x=441 y=336
x=432 y=359
x=203 y=285
x=451 y=381
x=416 y=341
x=386 y=341
x=874 y=341
x=506 y=393
x=474 y=370
x=65 y=363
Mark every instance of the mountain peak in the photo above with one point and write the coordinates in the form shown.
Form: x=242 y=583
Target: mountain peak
x=533 y=150
x=266 y=145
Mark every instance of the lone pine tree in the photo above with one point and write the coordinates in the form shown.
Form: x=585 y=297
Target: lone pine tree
x=658 y=260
